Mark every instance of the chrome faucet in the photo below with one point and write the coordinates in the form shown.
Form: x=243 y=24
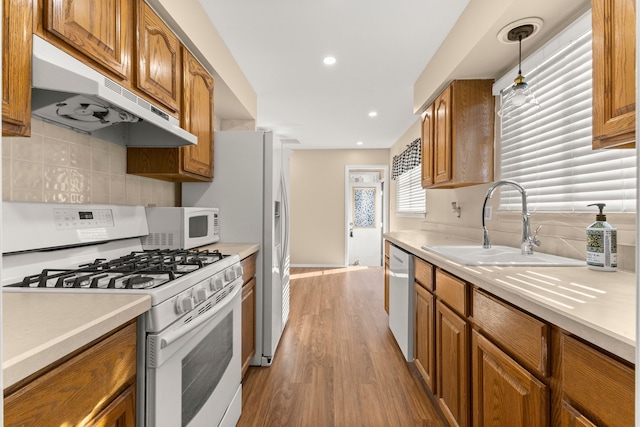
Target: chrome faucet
x=528 y=240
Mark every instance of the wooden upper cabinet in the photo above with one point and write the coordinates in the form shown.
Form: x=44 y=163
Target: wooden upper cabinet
x=158 y=58
x=182 y=164
x=427 y=147
x=462 y=136
x=442 y=167
x=101 y=30
x=614 y=73
x=16 y=67
x=197 y=117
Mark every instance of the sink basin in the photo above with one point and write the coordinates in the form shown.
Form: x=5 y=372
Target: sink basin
x=500 y=256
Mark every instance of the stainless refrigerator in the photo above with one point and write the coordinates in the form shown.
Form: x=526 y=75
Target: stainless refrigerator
x=251 y=173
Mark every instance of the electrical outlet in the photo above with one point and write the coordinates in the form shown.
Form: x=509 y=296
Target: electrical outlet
x=487 y=213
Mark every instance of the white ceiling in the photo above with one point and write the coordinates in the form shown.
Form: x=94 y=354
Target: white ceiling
x=381 y=48
x=387 y=52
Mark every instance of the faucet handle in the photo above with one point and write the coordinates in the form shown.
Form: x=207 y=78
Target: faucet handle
x=534 y=238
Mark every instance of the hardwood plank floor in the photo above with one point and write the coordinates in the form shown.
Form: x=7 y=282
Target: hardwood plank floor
x=337 y=363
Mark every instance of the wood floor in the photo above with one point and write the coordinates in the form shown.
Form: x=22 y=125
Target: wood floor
x=337 y=363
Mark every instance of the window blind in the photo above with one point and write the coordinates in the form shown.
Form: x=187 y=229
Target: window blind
x=410 y=196
x=549 y=152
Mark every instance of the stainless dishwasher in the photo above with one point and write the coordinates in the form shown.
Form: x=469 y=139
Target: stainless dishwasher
x=401 y=280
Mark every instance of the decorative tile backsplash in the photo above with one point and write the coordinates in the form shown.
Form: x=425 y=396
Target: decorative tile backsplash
x=57 y=165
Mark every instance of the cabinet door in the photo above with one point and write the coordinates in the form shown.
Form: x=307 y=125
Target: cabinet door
x=159 y=64
x=452 y=365
x=442 y=137
x=614 y=73
x=504 y=393
x=72 y=392
x=16 y=67
x=100 y=29
x=427 y=147
x=197 y=116
x=571 y=417
x=387 y=271
x=424 y=330
x=597 y=384
x=120 y=413
x=248 y=323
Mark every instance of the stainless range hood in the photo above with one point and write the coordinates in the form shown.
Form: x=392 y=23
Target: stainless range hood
x=70 y=94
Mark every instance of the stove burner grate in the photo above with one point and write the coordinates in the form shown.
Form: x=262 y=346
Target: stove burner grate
x=137 y=270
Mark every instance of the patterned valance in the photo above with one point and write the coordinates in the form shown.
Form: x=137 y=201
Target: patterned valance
x=407 y=160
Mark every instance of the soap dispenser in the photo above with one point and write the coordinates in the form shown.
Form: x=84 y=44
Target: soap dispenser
x=602 y=239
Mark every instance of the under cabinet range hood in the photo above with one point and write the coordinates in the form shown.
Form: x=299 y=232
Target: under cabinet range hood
x=70 y=94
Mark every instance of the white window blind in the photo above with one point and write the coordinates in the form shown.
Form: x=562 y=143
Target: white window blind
x=410 y=194
x=549 y=152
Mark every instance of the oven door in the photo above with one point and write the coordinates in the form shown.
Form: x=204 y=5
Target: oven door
x=201 y=227
x=193 y=372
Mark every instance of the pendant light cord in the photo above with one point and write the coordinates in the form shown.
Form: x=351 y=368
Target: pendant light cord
x=520 y=54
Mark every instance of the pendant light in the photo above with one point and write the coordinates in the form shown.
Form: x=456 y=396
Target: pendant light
x=519 y=99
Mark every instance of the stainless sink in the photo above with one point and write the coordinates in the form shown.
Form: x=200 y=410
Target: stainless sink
x=500 y=256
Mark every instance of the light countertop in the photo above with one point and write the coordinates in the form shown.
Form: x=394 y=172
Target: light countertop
x=242 y=249
x=599 y=307
x=40 y=328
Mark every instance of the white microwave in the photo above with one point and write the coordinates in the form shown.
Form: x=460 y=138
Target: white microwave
x=181 y=228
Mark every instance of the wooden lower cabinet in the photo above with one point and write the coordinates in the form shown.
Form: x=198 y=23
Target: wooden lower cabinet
x=95 y=386
x=248 y=323
x=571 y=417
x=452 y=365
x=248 y=311
x=505 y=393
x=387 y=271
x=595 y=387
x=424 y=341
x=120 y=413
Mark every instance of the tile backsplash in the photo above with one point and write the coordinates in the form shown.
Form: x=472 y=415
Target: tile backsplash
x=57 y=165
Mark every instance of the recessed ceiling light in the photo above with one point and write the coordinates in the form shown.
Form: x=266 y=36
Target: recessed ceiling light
x=359 y=143
x=329 y=60
x=373 y=114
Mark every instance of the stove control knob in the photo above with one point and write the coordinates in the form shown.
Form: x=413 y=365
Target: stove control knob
x=200 y=294
x=184 y=303
x=229 y=274
x=216 y=284
x=238 y=269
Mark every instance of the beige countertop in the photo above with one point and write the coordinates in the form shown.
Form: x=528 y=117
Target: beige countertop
x=242 y=249
x=40 y=328
x=599 y=307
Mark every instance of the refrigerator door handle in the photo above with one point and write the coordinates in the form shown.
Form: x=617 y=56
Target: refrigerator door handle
x=285 y=213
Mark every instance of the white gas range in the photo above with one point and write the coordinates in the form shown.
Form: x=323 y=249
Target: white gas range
x=189 y=368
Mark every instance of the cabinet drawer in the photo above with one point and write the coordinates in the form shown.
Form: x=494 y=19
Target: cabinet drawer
x=248 y=267
x=79 y=387
x=424 y=273
x=599 y=386
x=452 y=290
x=522 y=336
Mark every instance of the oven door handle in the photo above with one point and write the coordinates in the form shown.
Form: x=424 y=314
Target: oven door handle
x=175 y=335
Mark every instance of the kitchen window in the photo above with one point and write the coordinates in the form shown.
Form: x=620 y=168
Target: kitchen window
x=549 y=152
x=407 y=172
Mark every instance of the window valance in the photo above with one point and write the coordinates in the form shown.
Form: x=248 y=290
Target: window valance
x=407 y=160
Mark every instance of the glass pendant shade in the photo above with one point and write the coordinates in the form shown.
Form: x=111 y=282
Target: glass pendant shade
x=519 y=99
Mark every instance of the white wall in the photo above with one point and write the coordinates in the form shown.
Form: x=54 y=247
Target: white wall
x=317 y=202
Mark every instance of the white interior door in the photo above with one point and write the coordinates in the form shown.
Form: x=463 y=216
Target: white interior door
x=365 y=224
